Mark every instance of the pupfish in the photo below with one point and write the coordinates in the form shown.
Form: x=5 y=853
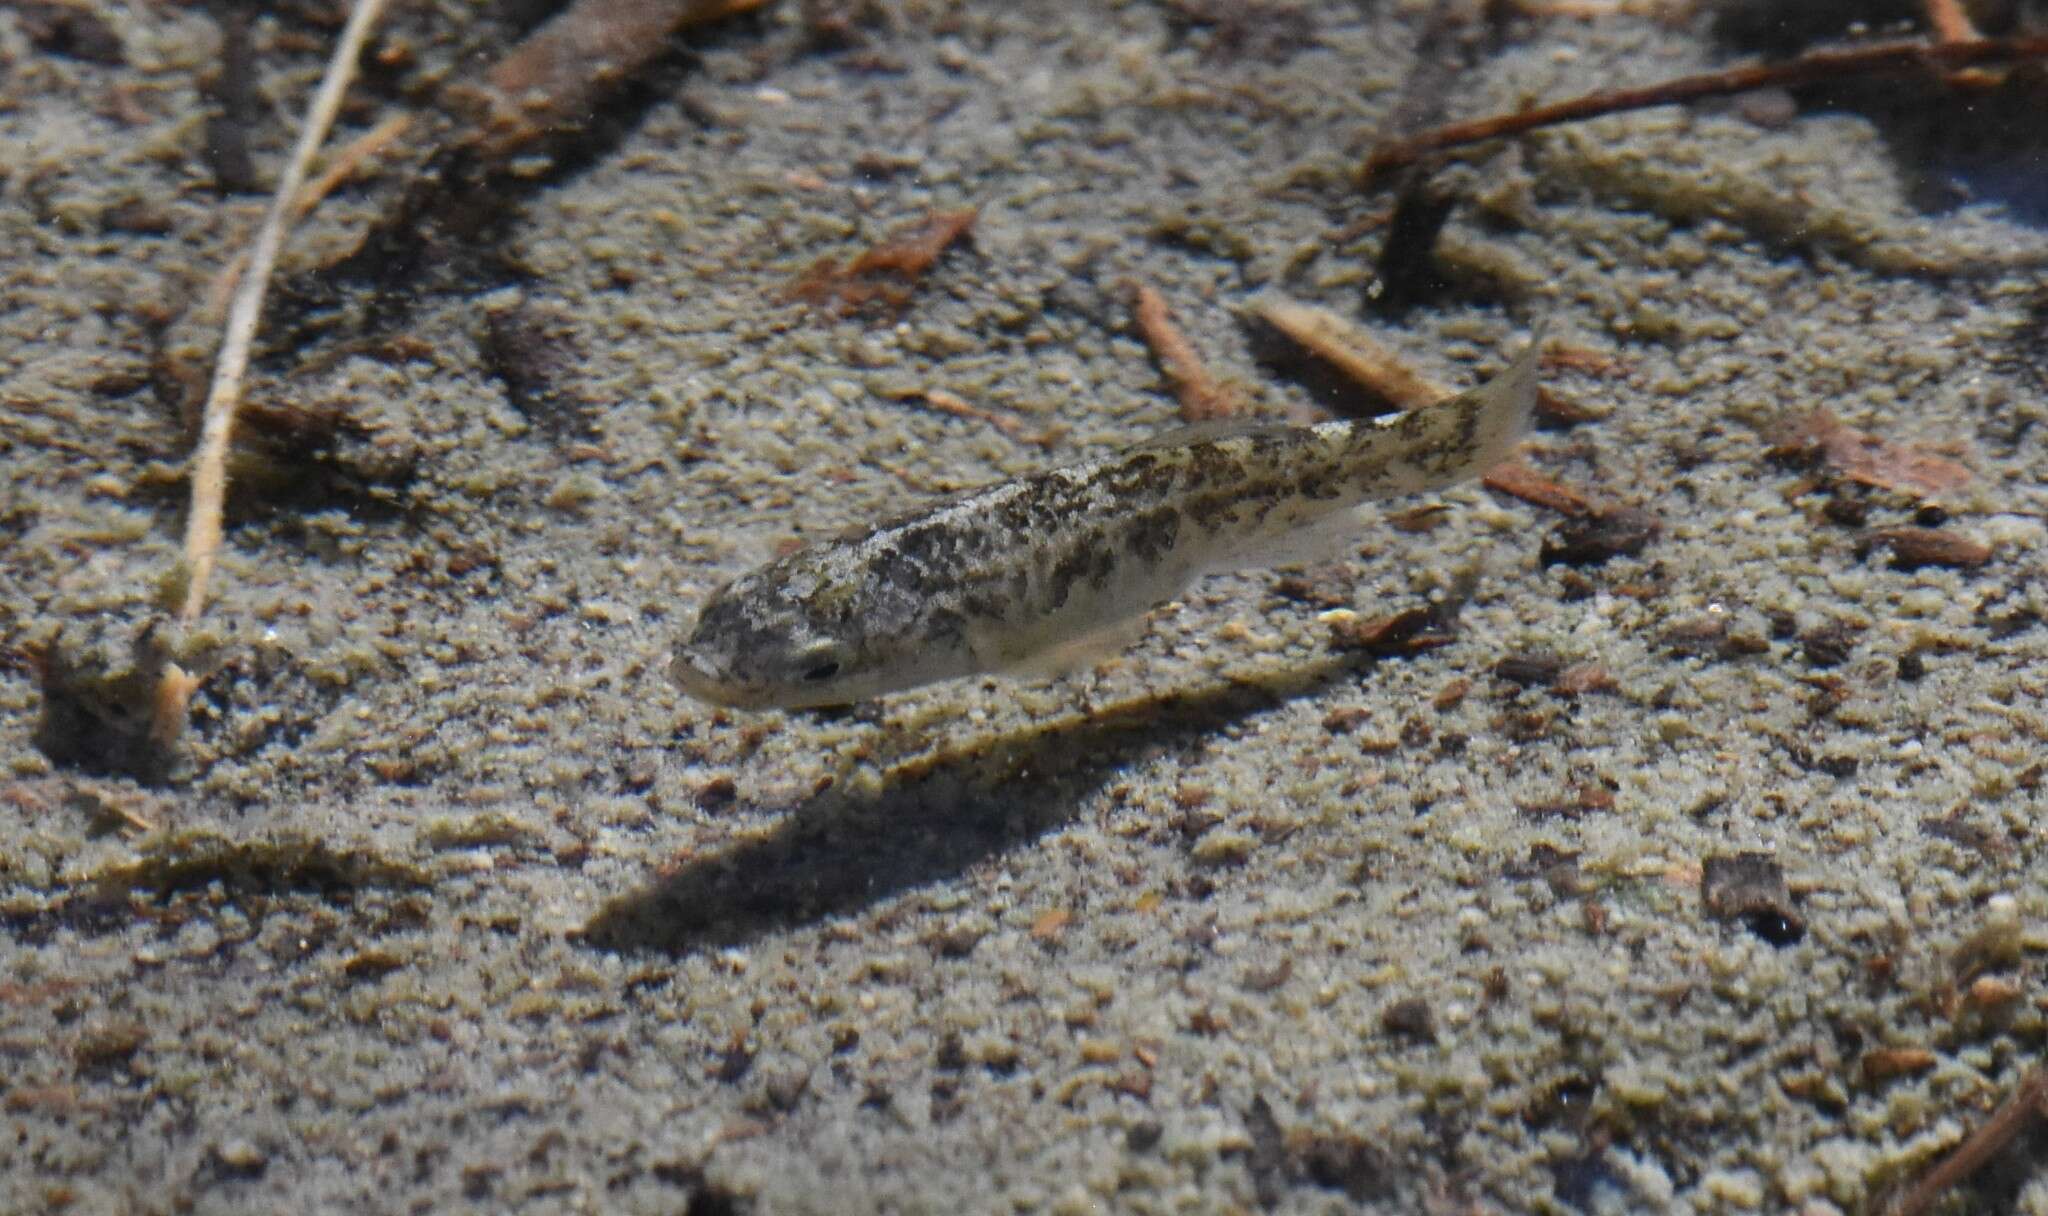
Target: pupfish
x=1050 y=571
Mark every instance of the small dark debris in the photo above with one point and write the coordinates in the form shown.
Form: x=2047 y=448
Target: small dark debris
x=886 y=274
x=1410 y=1018
x=478 y=1181
x=1583 y=800
x=1566 y=1103
x=717 y=794
x=1335 y=1160
x=1322 y=593
x=1341 y=1161
x=108 y=1044
x=535 y=351
x=1840 y=767
x=371 y=964
x=1699 y=637
x=952 y=1053
x=734 y=1063
x=1407 y=266
x=1525 y=727
x=1555 y=413
x=1532 y=668
x=1582 y=678
x=958 y=941
x=1573 y=587
x=710 y=1199
x=144 y=217
x=1915 y=547
x=1408 y=632
x=1344 y=721
x=1828 y=645
x=1144 y=1135
x=1558 y=868
x=1416 y=732
x=1848 y=512
x=73 y=31
x=1589 y=540
x=947 y=1102
x=1912 y=667
x=1750 y=887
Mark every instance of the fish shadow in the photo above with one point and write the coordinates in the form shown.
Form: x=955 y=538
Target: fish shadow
x=932 y=818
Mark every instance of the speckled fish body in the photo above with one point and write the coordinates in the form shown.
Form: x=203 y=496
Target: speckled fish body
x=1035 y=574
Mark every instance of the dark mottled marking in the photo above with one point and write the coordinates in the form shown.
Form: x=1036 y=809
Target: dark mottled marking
x=1071 y=568
x=1150 y=536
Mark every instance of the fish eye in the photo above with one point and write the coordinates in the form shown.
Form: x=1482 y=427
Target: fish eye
x=821 y=671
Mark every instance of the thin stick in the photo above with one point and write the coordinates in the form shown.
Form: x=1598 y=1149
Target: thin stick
x=1949 y=22
x=343 y=164
x=2029 y=1099
x=175 y=686
x=959 y=407
x=1347 y=348
x=217 y=425
x=1202 y=399
x=553 y=79
x=1879 y=59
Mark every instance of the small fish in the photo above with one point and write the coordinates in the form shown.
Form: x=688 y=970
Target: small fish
x=1044 y=573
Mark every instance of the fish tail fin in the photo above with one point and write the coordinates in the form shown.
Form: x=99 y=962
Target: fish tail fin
x=1507 y=405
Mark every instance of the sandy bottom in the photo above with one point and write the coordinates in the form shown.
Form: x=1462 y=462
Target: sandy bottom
x=1705 y=877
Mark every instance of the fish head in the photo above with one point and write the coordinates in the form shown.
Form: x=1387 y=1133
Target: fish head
x=800 y=633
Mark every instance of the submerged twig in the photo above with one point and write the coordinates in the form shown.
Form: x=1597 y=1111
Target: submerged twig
x=1360 y=359
x=1949 y=22
x=217 y=422
x=1202 y=398
x=555 y=77
x=1878 y=59
x=888 y=271
x=2028 y=1100
x=951 y=403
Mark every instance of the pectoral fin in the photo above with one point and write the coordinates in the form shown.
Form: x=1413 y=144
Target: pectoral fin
x=1075 y=653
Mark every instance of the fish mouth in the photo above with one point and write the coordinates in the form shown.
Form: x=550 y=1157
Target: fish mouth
x=705 y=686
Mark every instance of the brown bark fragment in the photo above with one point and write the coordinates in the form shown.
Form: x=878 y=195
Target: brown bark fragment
x=1866 y=459
x=1914 y=547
